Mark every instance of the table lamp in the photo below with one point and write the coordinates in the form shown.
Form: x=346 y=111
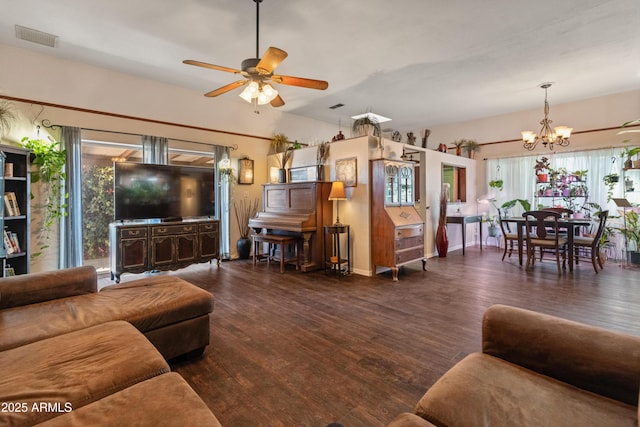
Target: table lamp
x=337 y=193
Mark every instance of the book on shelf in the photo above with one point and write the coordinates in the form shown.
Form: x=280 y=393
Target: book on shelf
x=8 y=243
x=15 y=242
x=11 y=204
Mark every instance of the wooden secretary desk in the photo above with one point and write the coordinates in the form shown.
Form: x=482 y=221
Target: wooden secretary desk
x=397 y=230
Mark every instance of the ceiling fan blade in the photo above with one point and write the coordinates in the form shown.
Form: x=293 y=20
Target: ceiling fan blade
x=212 y=66
x=270 y=60
x=277 y=102
x=302 y=82
x=227 y=88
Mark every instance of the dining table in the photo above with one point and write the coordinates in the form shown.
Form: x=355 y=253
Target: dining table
x=571 y=225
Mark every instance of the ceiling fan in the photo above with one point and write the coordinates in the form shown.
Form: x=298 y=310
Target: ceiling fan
x=258 y=72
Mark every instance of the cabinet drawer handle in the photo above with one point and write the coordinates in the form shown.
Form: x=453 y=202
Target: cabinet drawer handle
x=134 y=232
x=190 y=228
x=162 y=230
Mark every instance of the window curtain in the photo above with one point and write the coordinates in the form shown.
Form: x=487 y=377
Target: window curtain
x=71 y=225
x=519 y=177
x=223 y=201
x=155 y=149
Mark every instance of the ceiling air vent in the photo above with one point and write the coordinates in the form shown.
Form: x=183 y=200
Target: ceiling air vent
x=35 y=36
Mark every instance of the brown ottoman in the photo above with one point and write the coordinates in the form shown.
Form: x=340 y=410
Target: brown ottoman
x=165 y=400
x=44 y=379
x=171 y=312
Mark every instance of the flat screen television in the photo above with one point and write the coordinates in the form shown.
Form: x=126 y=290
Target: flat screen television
x=147 y=191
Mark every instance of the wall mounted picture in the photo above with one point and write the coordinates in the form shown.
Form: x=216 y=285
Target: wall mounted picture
x=347 y=171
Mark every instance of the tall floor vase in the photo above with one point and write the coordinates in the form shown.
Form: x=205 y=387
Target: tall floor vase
x=442 y=242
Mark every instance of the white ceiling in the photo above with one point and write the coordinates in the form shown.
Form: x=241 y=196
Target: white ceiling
x=420 y=62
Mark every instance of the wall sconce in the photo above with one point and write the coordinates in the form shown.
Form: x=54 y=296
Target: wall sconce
x=245 y=171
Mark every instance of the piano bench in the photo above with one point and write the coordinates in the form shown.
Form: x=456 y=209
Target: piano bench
x=275 y=240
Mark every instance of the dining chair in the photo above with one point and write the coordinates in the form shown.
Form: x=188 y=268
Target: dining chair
x=509 y=237
x=591 y=244
x=536 y=227
x=561 y=211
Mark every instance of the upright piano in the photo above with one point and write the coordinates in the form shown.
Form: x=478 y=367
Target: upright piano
x=300 y=208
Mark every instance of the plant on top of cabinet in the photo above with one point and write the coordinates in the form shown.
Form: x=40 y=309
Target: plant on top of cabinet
x=471 y=147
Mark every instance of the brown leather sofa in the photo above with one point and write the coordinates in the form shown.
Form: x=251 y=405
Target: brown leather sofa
x=172 y=313
x=536 y=370
x=72 y=356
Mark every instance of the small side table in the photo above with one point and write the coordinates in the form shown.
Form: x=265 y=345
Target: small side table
x=336 y=262
x=463 y=220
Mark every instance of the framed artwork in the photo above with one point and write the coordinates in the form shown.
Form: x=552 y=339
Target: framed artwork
x=306 y=173
x=245 y=171
x=347 y=171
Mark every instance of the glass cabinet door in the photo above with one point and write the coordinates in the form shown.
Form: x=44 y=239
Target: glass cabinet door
x=406 y=185
x=391 y=185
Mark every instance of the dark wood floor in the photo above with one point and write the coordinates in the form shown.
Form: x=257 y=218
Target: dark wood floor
x=299 y=349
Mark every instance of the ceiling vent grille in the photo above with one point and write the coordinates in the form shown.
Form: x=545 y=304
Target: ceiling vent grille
x=35 y=36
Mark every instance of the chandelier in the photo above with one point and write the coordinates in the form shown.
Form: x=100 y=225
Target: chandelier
x=560 y=135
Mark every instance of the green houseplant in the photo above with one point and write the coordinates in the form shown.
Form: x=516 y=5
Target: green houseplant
x=48 y=160
x=610 y=181
x=542 y=169
x=471 y=147
x=366 y=125
x=630 y=229
x=6 y=117
x=498 y=184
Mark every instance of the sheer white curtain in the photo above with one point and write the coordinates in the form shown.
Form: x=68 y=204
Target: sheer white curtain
x=519 y=178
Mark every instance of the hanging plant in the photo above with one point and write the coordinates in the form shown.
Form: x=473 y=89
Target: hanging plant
x=48 y=160
x=498 y=184
x=6 y=117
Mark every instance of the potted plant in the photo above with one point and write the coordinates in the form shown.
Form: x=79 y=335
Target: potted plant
x=283 y=149
x=498 y=184
x=6 y=117
x=493 y=226
x=631 y=163
x=458 y=145
x=580 y=175
x=542 y=168
x=630 y=229
x=610 y=181
x=244 y=209
x=366 y=125
x=471 y=146
x=48 y=160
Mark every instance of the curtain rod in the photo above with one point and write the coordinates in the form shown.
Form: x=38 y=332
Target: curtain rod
x=233 y=147
x=123 y=116
x=551 y=153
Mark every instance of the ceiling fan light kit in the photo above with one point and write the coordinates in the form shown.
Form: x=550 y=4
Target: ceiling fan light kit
x=258 y=72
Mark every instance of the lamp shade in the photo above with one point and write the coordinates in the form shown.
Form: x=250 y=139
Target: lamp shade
x=337 y=191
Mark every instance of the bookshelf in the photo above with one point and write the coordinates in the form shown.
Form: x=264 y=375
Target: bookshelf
x=16 y=214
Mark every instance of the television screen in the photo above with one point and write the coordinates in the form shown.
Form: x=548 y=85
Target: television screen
x=146 y=191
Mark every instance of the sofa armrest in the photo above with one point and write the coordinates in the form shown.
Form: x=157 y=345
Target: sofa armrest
x=38 y=287
x=591 y=358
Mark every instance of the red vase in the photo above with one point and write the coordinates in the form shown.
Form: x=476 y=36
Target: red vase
x=442 y=242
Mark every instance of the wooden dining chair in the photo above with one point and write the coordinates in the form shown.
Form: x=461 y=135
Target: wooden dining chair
x=562 y=211
x=510 y=238
x=591 y=244
x=536 y=227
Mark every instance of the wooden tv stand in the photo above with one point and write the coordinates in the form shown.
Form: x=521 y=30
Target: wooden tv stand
x=140 y=246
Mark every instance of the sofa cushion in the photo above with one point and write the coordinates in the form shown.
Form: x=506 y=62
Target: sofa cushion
x=163 y=400
x=43 y=379
x=33 y=288
x=484 y=390
x=148 y=304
